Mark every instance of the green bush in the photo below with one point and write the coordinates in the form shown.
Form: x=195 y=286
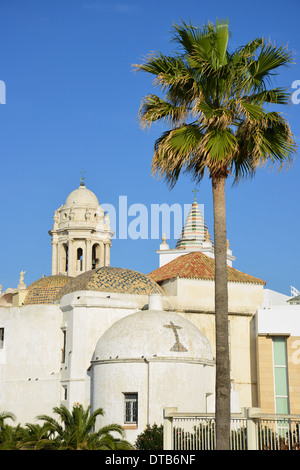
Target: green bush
x=151 y=438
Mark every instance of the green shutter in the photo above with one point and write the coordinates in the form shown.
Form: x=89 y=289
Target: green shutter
x=280 y=376
x=279 y=352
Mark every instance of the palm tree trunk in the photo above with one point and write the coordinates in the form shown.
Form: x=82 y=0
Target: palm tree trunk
x=222 y=403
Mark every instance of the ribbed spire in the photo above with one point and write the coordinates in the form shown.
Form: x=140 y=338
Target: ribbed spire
x=195 y=231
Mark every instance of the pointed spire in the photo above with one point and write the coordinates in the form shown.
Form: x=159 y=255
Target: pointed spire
x=195 y=231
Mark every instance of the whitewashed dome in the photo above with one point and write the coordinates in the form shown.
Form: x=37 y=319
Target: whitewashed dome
x=82 y=197
x=156 y=334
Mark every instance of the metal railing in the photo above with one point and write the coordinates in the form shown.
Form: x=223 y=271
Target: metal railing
x=250 y=430
x=281 y=433
x=193 y=433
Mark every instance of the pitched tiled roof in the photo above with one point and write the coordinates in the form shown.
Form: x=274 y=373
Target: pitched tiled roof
x=196 y=265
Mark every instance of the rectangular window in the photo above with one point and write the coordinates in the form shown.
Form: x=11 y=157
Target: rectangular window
x=280 y=376
x=63 y=349
x=64 y=392
x=131 y=408
x=1 y=338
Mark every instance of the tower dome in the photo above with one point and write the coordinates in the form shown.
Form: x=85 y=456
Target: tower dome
x=154 y=334
x=82 y=197
x=81 y=234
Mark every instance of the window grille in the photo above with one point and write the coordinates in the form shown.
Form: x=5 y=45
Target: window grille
x=131 y=408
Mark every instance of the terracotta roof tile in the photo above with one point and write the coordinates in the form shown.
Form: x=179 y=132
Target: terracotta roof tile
x=196 y=265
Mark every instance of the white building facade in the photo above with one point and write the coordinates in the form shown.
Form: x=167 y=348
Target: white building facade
x=130 y=343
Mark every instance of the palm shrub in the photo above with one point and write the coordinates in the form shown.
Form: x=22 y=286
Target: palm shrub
x=8 y=433
x=75 y=430
x=37 y=437
x=11 y=437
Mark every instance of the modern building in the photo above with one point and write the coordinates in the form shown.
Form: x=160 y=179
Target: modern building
x=278 y=354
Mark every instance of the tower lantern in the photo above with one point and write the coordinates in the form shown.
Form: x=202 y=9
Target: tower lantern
x=81 y=234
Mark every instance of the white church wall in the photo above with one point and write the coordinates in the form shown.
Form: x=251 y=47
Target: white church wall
x=111 y=381
x=87 y=315
x=244 y=297
x=184 y=385
x=137 y=355
x=198 y=294
x=30 y=360
x=195 y=301
x=158 y=383
x=242 y=358
x=242 y=350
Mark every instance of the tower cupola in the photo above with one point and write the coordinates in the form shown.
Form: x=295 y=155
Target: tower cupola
x=81 y=234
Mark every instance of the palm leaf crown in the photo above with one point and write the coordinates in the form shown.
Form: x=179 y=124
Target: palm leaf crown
x=214 y=104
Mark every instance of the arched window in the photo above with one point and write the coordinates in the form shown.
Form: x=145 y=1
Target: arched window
x=79 y=259
x=64 y=257
x=96 y=256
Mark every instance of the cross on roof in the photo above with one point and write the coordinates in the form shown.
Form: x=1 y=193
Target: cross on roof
x=195 y=191
x=82 y=178
x=177 y=346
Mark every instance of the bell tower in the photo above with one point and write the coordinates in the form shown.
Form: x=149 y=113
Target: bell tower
x=81 y=234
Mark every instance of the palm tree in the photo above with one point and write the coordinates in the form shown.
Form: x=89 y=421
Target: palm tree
x=214 y=102
x=76 y=430
x=36 y=437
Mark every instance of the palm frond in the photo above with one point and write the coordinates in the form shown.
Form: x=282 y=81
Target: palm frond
x=167 y=69
x=224 y=95
x=174 y=150
x=221 y=145
x=252 y=111
x=274 y=95
x=242 y=55
x=269 y=60
x=186 y=35
x=154 y=108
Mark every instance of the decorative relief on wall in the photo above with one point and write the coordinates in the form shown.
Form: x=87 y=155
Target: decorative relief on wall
x=177 y=347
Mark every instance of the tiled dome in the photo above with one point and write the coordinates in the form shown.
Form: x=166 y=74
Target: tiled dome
x=110 y=279
x=46 y=289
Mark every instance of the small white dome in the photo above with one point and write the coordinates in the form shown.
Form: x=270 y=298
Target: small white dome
x=153 y=334
x=82 y=197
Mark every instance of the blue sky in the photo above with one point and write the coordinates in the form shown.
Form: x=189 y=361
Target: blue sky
x=72 y=100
